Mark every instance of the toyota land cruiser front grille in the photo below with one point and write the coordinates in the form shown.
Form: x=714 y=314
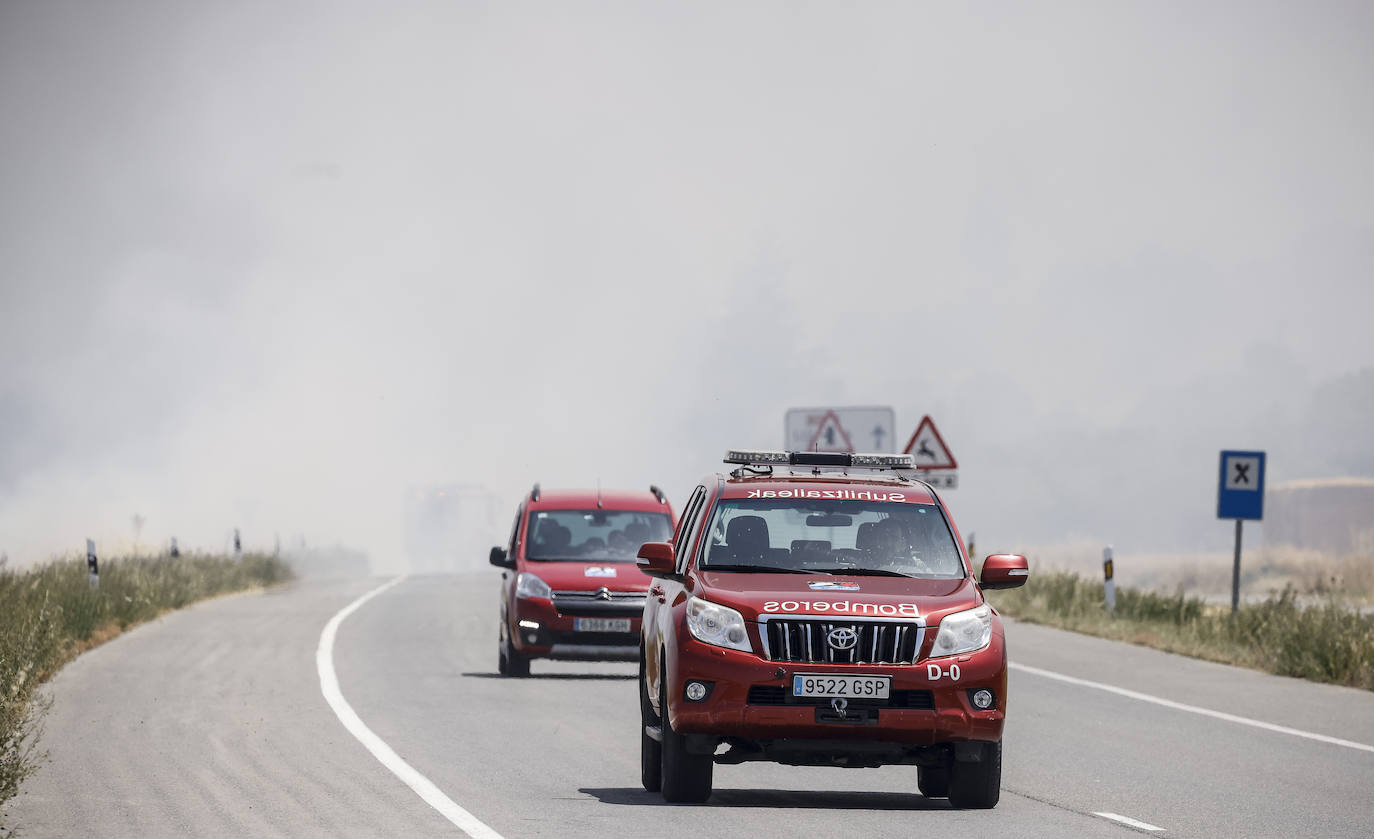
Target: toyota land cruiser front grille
x=830 y=641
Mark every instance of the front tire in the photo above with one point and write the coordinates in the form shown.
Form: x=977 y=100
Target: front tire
x=933 y=781
x=509 y=662
x=650 y=750
x=686 y=778
x=977 y=785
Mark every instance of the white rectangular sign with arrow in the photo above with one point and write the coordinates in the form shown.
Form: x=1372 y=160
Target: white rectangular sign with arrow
x=839 y=430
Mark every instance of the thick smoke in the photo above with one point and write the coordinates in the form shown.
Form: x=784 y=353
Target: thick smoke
x=269 y=267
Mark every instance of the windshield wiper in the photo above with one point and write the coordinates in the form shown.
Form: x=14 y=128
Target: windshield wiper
x=862 y=572
x=754 y=569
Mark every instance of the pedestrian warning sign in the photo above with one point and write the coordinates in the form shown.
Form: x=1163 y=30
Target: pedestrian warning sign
x=830 y=436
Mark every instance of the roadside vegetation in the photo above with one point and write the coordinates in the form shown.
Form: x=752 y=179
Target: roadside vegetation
x=50 y=614
x=1264 y=569
x=1291 y=633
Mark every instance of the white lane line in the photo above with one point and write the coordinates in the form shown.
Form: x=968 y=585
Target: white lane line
x=1127 y=820
x=329 y=686
x=1193 y=709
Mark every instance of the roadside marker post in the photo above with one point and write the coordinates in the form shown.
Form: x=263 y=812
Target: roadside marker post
x=1240 y=496
x=92 y=564
x=1109 y=584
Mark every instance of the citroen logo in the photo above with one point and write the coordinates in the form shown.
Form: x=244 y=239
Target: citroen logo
x=603 y=593
x=843 y=638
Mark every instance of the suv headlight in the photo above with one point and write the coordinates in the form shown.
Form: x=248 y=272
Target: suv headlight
x=720 y=626
x=963 y=632
x=528 y=585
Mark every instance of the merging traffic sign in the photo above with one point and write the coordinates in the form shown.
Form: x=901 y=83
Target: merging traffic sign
x=1240 y=487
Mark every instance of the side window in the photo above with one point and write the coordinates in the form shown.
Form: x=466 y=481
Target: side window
x=687 y=531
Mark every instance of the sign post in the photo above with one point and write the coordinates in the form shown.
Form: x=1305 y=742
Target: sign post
x=1240 y=496
x=1109 y=584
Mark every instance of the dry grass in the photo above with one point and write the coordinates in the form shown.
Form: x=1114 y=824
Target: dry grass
x=1325 y=641
x=1265 y=571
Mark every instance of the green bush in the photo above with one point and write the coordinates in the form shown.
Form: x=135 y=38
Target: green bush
x=49 y=614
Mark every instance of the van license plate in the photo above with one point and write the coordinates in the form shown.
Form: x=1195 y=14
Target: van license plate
x=601 y=624
x=849 y=687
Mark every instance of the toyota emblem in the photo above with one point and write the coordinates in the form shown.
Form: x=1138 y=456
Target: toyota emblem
x=843 y=638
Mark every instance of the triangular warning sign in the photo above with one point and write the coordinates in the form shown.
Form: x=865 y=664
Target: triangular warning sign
x=830 y=436
x=928 y=447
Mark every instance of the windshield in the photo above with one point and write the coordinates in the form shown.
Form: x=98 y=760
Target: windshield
x=599 y=535
x=838 y=537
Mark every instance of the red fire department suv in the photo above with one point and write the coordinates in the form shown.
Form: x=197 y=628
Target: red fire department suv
x=819 y=609
x=570 y=588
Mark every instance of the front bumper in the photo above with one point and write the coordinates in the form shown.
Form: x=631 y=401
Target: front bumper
x=750 y=699
x=556 y=635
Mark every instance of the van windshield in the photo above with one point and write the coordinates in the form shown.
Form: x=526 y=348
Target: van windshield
x=838 y=537
x=595 y=535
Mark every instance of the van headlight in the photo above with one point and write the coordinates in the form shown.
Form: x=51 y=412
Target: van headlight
x=720 y=626
x=963 y=632
x=528 y=585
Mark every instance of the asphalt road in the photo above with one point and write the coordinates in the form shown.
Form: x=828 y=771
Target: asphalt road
x=212 y=722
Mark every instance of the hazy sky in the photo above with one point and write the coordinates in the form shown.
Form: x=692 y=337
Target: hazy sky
x=268 y=264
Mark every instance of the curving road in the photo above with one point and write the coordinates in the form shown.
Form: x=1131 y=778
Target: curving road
x=213 y=721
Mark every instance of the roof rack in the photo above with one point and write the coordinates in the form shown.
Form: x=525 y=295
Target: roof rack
x=847 y=460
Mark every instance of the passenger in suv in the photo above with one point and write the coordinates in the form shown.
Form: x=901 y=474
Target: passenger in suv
x=569 y=585
x=818 y=609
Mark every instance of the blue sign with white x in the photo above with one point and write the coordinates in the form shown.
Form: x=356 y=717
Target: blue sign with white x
x=1240 y=491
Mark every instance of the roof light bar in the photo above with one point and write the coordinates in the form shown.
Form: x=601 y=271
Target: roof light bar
x=819 y=458
x=748 y=457
x=884 y=461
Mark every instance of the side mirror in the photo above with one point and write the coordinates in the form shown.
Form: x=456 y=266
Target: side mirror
x=499 y=558
x=1004 y=571
x=656 y=559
